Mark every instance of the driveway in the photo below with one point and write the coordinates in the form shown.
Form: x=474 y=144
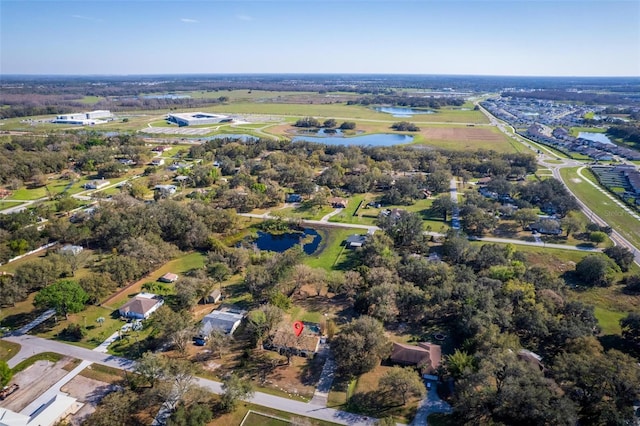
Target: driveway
x=431 y=404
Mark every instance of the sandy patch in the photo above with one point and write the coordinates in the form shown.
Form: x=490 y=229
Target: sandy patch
x=576 y=180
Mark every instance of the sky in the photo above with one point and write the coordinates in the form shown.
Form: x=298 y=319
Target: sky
x=476 y=37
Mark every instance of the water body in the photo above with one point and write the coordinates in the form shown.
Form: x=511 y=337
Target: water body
x=283 y=242
x=596 y=137
x=403 y=111
x=166 y=96
x=382 y=139
x=321 y=132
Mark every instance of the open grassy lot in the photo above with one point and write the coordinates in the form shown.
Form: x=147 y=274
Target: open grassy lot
x=8 y=204
x=342 y=111
x=576 y=130
x=8 y=350
x=235 y=418
x=602 y=205
x=331 y=248
x=303 y=212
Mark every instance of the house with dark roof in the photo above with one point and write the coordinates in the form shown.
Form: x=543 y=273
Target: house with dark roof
x=338 y=203
x=141 y=306
x=426 y=356
x=356 y=240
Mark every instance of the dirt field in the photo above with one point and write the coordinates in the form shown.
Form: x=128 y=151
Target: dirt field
x=34 y=381
x=88 y=391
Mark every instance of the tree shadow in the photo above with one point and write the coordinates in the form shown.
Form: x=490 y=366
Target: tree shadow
x=310 y=372
x=20 y=319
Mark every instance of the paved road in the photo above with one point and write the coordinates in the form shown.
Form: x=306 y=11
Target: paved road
x=429 y=405
x=31 y=345
x=455 y=214
x=555 y=170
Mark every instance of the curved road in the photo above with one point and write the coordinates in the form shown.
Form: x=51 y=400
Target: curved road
x=555 y=170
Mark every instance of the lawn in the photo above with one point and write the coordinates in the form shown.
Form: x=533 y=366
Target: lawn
x=366 y=400
x=8 y=350
x=602 y=205
x=8 y=204
x=256 y=419
x=303 y=212
x=236 y=417
x=331 y=247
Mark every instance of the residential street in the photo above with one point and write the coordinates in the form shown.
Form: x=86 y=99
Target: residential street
x=31 y=345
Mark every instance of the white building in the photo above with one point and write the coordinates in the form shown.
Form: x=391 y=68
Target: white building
x=197 y=118
x=83 y=118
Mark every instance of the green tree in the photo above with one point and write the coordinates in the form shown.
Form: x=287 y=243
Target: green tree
x=151 y=367
x=459 y=363
x=597 y=270
x=234 y=389
x=443 y=205
x=631 y=328
x=360 y=346
x=194 y=415
x=621 y=255
x=402 y=384
x=5 y=373
x=525 y=217
x=597 y=237
x=64 y=296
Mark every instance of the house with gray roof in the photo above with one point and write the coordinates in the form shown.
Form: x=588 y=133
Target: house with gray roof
x=226 y=320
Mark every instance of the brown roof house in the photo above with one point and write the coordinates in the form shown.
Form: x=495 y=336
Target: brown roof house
x=285 y=342
x=141 y=306
x=426 y=356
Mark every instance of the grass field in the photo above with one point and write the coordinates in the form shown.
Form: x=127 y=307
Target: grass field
x=576 y=130
x=8 y=350
x=8 y=204
x=602 y=205
x=331 y=248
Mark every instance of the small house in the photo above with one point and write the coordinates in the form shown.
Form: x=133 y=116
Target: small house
x=96 y=184
x=213 y=297
x=426 y=356
x=168 y=278
x=293 y=198
x=225 y=319
x=141 y=306
x=72 y=250
x=157 y=162
x=355 y=240
x=169 y=189
x=338 y=203
x=285 y=341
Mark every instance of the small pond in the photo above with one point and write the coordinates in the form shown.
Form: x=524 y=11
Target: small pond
x=403 y=111
x=596 y=137
x=166 y=96
x=283 y=242
x=381 y=139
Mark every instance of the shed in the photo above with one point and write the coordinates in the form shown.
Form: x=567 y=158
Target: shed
x=212 y=297
x=168 y=278
x=338 y=203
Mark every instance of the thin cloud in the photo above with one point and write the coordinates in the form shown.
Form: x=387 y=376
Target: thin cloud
x=244 y=17
x=86 y=18
x=189 y=20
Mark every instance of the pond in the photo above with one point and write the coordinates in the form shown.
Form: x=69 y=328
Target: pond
x=283 y=242
x=403 y=111
x=381 y=139
x=596 y=137
x=167 y=96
